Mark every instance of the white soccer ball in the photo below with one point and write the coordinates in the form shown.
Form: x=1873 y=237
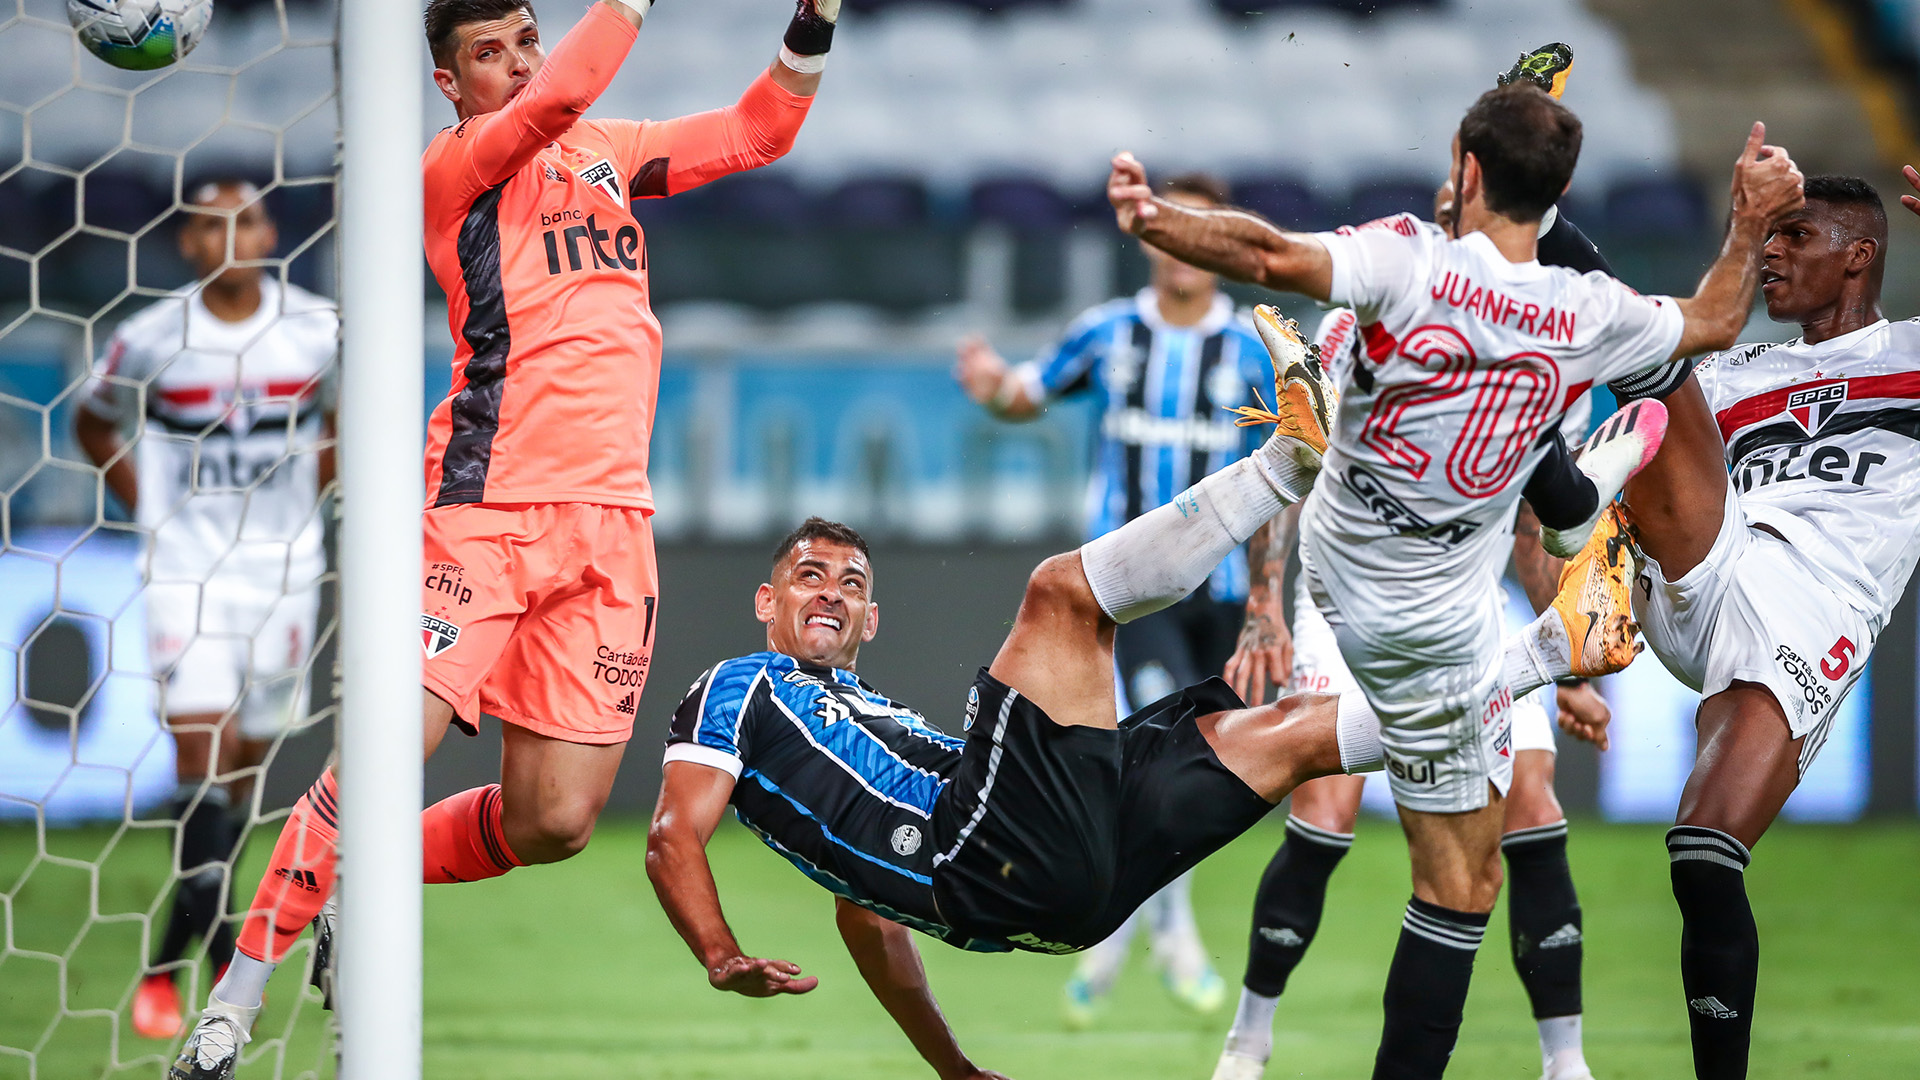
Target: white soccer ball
x=140 y=35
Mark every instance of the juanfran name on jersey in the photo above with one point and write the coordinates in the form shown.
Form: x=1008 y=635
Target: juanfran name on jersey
x=1821 y=442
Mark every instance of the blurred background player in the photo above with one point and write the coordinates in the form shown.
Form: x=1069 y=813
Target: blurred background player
x=226 y=382
x=539 y=588
x=1405 y=558
x=1544 y=918
x=1167 y=362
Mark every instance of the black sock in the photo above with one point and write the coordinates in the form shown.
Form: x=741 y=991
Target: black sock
x=1427 y=990
x=1561 y=495
x=1719 y=947
x=1286 y=910
x=1543 y=919
x=205 y=848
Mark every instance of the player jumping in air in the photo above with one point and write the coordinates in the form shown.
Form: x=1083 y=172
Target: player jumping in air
x=1543 y=909
x=1166 y=364
x=1049 y=823
x=1473 y=350
x=1765 y=589
x=538 y=590
x=228 y=380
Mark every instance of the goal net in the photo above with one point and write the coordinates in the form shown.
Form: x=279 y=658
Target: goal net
x=168 y=378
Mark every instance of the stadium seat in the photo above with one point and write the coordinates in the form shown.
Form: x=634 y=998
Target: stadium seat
x=1384 y=198
x=121 y=201
x=875 y=201
x=758 y=199
x=1020 y=203
x=1282 y=200
x=1655 y=207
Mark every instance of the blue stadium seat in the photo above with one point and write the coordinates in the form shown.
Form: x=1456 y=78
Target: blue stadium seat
x=1655 y=207
x=1021 y=203
x=1384 y=198
x=1283 y=200
x=758 y=198
x=876 y=202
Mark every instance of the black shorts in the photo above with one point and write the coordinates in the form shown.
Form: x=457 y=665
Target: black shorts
x=1048 y=837
x=1179 y=646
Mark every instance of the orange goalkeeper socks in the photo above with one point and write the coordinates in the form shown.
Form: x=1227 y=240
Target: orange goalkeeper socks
x=461 y=838
x=299 y=877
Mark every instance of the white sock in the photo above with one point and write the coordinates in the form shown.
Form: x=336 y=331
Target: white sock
x=1358 y=730
x=243 y=984
x=1159 y=557
x=1100 y=965
x=1538 y=655
x=1560 y=1043
x=1252 y=1032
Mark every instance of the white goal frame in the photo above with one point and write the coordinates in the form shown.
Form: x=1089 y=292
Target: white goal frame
x=380 y=450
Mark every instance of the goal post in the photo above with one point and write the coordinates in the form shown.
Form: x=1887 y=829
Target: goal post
x=381 y=290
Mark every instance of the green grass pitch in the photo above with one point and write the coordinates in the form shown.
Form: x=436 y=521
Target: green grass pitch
x=571 y=971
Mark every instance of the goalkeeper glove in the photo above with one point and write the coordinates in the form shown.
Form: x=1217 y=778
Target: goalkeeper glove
x=811 y=31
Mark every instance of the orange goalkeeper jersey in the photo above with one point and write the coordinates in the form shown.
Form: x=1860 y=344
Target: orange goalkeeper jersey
x=556 y=365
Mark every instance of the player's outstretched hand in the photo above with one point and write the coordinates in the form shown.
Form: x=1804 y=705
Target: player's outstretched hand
x=1584 y=714
x=1129 y=193
x=760 y=978
x=1262 y=659
x=978 y=369
x=1766 y=182
x=1913 y=181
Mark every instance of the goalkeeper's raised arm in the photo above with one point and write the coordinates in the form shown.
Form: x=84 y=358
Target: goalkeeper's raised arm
x=1231 y=243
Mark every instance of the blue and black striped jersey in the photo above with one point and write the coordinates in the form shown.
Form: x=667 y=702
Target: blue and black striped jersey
x=1165 y=391
x=837 y=778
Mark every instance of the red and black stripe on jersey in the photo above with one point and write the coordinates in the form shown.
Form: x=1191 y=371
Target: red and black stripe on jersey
x=1746 y=426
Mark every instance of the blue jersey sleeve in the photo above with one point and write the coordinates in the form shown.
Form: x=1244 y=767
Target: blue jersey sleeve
x=1256 y=370
x=710 y=726
x=1072 y=363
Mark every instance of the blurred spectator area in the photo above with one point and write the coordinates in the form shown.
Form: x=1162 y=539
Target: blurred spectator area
x=955 y=156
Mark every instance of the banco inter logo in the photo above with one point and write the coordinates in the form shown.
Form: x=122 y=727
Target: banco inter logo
x=576 y=241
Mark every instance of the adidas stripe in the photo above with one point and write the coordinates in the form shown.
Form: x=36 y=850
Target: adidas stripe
x=1693 y=843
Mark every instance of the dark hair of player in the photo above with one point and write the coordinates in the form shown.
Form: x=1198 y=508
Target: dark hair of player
x=444 y=17
x=1198 y=184
x=819 y=528
x=1850 y=191
x=1526 y=143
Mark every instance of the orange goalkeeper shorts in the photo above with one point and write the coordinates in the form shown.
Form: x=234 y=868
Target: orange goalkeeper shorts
x=541 y=614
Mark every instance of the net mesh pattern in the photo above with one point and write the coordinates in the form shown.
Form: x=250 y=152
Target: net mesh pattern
x=97 y=166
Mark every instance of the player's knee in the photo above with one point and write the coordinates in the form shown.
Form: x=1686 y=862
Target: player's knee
x=1060 y=583
x=550 y=834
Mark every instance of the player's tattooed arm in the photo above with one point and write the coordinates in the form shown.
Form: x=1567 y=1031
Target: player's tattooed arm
x=887 y=958
x=1231 y=243
x=692 y=798
x=1537 y=571
x=1263 y=657
x=1766 y=186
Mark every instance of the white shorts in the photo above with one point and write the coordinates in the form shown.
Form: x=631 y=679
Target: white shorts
x=1318 y=669
x=1756 y=610
x=229 y=646
x=1447 y=729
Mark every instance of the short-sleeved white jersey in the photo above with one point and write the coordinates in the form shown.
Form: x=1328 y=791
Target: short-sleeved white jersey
x=1465 y=359
x=230 y=419
x=1821 y=442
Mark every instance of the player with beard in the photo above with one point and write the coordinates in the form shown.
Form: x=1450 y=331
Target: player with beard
x=1779 y=526
x=1474 y=350
x=1543 y=909
x=1052 y=820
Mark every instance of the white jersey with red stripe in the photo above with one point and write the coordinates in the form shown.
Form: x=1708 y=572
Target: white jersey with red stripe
x=230 y=421
x=1466 y=358
x=1821 y=446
